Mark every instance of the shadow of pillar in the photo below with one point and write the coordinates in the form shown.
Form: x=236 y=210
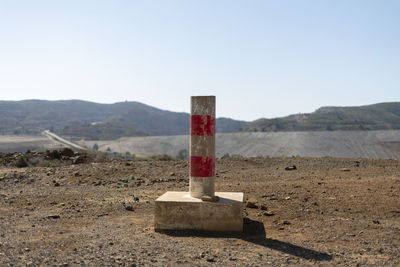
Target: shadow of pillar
x=254 y=232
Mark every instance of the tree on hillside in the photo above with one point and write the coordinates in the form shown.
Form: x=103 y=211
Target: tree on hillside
x=183 y=154
x=95 y=147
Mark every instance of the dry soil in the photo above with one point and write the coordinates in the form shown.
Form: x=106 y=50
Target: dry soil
x=327 y=211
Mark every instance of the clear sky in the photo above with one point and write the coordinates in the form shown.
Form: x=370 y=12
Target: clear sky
x=260 y=58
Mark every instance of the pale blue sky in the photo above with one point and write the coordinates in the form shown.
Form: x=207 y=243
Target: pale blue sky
x=260 y=58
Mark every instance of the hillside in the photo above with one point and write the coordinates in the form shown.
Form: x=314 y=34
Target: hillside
x=383 y=116
x=93 y=121
x=345 y=144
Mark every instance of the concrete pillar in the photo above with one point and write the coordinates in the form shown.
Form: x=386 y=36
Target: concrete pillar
x=202 y=146
x=221 y=211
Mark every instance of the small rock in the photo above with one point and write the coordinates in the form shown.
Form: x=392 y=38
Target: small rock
x=263 y=207
x=286 y=223
x=345 y=169
x=129 y=208
x=251 y=203
x=78 y=160
x=268 y=213
x=207 y=198
x=376 y=222
x=211 y=260
x=56 y=184
x=172 y=174
x=291 y=168
x=55 y=216
x=287 y=198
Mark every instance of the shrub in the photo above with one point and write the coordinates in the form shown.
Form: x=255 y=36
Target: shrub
x=162 y=157
x=21 y=162
x=183 y=154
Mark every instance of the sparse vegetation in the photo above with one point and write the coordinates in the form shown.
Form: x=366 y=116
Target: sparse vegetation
x=162 y=157
x=384 y=116
x=21 y=162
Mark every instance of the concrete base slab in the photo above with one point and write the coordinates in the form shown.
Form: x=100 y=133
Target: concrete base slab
x=180 y=211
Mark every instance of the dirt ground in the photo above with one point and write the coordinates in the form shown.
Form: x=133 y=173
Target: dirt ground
x=325 y=212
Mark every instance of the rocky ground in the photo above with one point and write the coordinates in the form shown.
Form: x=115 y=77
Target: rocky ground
x=75 y=209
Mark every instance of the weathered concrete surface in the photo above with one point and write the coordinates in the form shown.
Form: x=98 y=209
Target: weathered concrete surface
x=199 y=186
x=202 y=146
x=179 y=211
x=202 y=105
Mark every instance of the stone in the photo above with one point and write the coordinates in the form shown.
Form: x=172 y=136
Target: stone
x=291 y=168
x=251 y=203
x=210 y=198
x=268 y=213
x=180 y=211
x=129 y=208
x=77 y=160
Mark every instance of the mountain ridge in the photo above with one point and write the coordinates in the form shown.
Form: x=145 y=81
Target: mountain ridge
x=380 y=116
x=95 y=121
x=80 y=119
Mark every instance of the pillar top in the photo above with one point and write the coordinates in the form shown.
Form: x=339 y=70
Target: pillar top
x=202 y=105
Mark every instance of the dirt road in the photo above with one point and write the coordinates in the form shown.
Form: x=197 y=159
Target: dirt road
x=325 y=212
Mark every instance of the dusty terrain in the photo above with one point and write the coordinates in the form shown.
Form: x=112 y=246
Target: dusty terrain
x=100 y=212
x=21 y=143
x=344 y=144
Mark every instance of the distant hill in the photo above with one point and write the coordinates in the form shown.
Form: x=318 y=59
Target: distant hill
x=383 y=116
x=93 y=121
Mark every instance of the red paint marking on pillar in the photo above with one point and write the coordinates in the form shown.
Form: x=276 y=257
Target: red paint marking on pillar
x=202 y=166
x=202 y=125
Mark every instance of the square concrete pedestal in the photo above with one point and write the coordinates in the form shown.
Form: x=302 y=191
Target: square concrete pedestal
x=180 y=211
